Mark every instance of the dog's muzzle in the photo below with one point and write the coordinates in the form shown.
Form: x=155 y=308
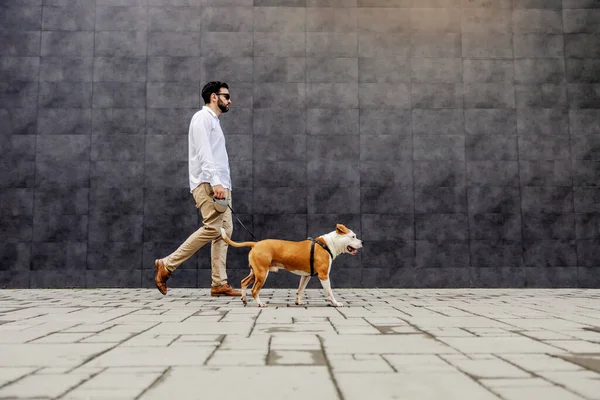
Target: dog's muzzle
x=353 y=250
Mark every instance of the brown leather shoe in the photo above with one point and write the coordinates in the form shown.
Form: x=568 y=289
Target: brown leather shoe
x=224 y=290
x=162 y=274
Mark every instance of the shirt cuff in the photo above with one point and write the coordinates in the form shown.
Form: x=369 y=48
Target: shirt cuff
x=215 y=181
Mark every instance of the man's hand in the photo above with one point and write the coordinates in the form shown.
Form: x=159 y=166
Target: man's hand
x=219 y=192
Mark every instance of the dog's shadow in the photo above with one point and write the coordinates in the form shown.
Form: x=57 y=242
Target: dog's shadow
x=292 y=305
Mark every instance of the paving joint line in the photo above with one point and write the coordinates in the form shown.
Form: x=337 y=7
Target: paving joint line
x=536 y=375
x=255 y=322
x=21 y=377
x=94 y=356
x=217 y=347
x=155 y=383
x=330 y=368
x=80 y=383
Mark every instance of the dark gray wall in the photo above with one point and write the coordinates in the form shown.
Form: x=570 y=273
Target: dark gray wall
x=460 y=139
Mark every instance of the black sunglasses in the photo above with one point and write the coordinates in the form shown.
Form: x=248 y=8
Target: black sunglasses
x=227 y=96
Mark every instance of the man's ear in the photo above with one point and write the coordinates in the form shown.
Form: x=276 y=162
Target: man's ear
x=341 y=229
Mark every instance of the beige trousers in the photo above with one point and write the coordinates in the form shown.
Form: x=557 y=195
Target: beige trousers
x=210 y=231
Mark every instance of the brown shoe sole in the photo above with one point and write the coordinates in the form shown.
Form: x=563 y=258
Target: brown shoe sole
x=224 y=294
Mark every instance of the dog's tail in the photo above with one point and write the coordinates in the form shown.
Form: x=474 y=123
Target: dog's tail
x=235 y=244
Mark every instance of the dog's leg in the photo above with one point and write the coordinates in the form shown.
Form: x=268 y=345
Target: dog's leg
x=258 y=284
x=329 y=293
x=247 y=281
x=303 y=282
x=260 y=264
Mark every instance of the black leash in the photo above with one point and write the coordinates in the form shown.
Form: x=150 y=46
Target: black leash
x=236 y=217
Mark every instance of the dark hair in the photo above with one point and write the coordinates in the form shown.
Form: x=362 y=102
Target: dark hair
x=210 y=88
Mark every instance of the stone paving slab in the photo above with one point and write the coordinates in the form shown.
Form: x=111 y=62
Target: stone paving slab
x=119 y=344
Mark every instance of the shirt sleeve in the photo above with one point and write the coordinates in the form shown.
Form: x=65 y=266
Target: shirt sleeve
x=200 y=131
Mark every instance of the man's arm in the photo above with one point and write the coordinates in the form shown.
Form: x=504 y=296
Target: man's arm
x=200 y=132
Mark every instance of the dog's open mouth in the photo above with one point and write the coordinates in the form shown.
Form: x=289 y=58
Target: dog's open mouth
x=352 y=250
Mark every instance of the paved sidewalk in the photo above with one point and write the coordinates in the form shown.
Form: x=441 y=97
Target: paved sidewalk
x=387 y=344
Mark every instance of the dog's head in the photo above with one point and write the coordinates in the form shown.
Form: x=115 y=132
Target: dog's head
x=346 y=239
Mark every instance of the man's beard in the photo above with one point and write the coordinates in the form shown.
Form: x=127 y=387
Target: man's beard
x=223 y=107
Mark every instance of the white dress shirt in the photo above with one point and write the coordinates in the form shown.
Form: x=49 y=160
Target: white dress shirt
x=208 y=160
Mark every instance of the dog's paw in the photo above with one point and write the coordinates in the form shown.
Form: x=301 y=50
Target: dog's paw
x=262 y=305
x=300 y=303
x=337 y=304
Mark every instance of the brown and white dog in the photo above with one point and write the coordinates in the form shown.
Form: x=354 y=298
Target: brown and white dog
x=272 y=254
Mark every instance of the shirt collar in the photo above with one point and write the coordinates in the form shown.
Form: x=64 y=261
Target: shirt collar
x=214 y=114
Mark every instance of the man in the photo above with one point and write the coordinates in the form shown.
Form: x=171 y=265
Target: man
x=209 y=176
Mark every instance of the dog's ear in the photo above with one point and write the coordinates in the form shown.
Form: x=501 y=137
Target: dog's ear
x=341 y=229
